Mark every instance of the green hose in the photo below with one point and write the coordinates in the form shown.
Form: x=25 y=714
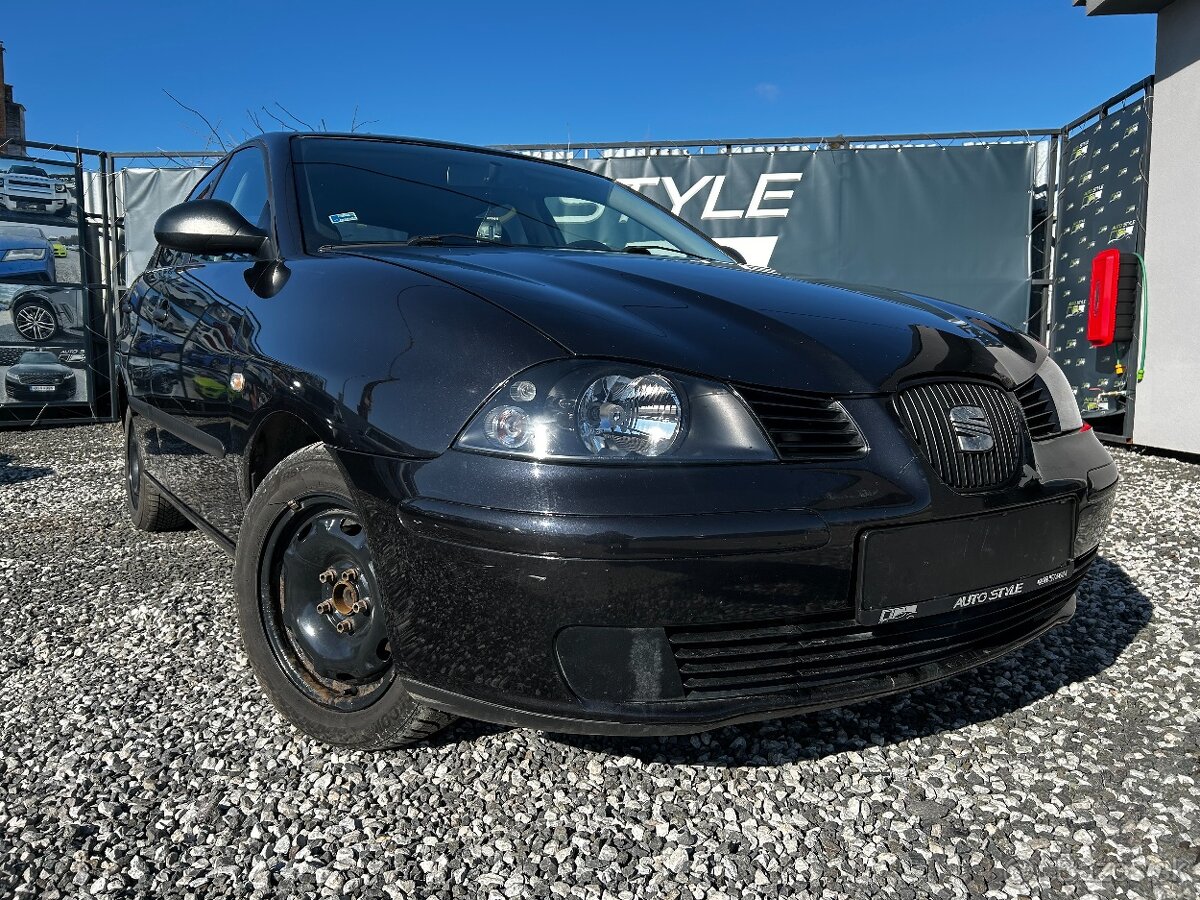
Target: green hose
x=1145 y=311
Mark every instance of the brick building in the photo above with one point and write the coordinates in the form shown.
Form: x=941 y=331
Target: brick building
x=12 y=117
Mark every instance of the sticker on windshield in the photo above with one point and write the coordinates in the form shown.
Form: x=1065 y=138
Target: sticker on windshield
x=338 y=218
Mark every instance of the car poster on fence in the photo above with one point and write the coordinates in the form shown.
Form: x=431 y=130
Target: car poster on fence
x=43 y=345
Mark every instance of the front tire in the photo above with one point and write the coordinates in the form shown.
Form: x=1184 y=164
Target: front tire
x=311 y=612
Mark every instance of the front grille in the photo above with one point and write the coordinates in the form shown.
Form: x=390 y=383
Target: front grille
x=40 y=379
x=803 y=426
x=926 y=410
x=32 y=187
x=1038 y=406
x=766 y=657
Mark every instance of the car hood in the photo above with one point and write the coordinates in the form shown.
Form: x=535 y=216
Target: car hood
x=17 y=242
x=39 y=369
x=728 y=322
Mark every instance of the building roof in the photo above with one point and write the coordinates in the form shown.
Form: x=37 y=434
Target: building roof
x=1122 y=7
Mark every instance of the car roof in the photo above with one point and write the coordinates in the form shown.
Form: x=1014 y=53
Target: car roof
x=279 y=142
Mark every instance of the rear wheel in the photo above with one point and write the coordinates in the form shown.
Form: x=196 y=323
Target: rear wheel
x=312 y=615
x=148 y=508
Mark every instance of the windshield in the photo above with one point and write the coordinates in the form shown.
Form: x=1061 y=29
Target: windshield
x=38 y=357
x=28 y=170
x=377 y=191
x=23 y=231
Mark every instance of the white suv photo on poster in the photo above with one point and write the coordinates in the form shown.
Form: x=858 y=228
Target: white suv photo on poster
x=38 y=192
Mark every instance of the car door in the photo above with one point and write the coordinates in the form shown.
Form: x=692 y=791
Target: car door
x=204 y=299
x=144 y=340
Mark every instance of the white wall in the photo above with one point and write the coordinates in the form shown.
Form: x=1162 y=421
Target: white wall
x=1167 y=412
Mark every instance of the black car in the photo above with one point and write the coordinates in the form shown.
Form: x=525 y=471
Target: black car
x=39 y=376
x=504 y=439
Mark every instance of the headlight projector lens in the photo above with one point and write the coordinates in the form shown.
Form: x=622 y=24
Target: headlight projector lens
x=522 y=391
x=639 y=415
x=508 y=427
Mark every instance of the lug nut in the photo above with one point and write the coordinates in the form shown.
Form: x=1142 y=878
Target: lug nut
x=345 y=626
x=360 y=606
x=328 y=575
x=349 y=575
x=325 y=607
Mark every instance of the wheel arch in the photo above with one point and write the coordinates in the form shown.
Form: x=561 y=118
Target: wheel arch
x=278 y=435
x=122 y=394
x=31 y=295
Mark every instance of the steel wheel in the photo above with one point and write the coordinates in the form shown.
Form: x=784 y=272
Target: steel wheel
x=321 y=607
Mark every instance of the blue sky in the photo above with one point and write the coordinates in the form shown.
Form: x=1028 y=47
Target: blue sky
x=505 y=72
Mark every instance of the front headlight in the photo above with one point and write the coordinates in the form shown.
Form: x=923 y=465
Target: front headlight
x=60 y=188
x=588 y=411
x=29 y=253
x=1066 y=407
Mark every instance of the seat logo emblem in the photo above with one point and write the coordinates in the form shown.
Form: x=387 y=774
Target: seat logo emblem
x=972 y=429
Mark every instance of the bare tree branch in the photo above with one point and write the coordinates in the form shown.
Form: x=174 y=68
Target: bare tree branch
x=211 y=130
x=282 y=123
x=290 y=114
x=212 y=134
x=254 y=121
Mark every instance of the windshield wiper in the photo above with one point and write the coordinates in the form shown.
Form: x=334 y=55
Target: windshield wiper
x=422 y=240
x=645 y=249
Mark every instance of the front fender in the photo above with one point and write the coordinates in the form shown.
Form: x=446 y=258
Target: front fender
x=379 y=359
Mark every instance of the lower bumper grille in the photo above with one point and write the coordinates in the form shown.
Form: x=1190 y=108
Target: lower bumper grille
x=765 y=657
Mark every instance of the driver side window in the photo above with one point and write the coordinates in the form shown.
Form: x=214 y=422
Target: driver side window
x=243 y=185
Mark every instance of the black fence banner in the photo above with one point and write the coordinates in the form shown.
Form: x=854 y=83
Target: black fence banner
x=1101 y=207
x=950 y=222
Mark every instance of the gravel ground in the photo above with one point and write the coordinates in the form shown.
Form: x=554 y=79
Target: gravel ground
x=139 y=758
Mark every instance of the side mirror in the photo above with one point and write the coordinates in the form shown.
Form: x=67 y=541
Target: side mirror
x=208 y=228
x=735 y=255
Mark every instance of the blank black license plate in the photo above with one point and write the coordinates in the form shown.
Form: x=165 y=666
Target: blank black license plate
x=935 y=567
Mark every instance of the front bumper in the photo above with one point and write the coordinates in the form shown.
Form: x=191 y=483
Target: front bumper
x=28 y=271
x=25 y=393
x=529 y=595
x=32 y=204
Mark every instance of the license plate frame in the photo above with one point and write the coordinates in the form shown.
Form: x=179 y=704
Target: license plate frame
x=989 y=558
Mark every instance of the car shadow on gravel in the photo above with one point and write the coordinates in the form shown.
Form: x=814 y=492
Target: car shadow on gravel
x=1110 y=613
x=11 y=473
